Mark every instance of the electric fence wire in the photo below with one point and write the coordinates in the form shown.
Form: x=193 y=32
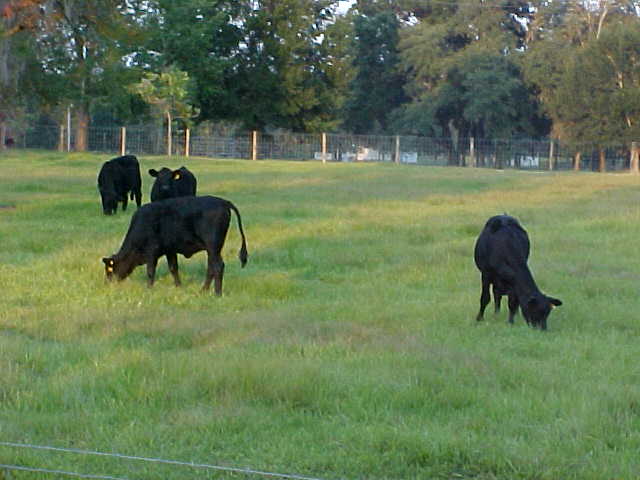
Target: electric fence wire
x=245 y=471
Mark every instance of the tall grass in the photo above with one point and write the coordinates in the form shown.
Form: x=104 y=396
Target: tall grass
x=346 y=349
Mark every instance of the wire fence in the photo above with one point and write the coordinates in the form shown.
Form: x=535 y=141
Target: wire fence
x=120 y=459
x=524 y=154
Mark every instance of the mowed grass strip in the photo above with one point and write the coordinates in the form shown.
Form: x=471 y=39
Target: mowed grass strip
x=347 y=348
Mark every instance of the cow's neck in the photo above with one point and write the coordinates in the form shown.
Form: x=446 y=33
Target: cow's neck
x=525 y=285
x=125 y=263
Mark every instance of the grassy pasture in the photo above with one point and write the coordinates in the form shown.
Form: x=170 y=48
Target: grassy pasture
x=346 y=349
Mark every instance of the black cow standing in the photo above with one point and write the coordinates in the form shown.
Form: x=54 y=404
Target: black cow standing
x=172 y=183
x=118 y=178
x=501 y=255
x=183 y=225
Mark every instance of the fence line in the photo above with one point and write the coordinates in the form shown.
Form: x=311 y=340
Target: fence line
x=58 y=472
x=206 y=466
x=525 y=154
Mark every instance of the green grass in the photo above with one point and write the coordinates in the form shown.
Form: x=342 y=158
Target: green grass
x=347 y=348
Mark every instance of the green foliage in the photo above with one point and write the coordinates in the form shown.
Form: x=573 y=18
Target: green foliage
x=592 y=91
x=167 y=91
x=347 y=348
x=463 y=78
x=377 y=87
x=483 y=96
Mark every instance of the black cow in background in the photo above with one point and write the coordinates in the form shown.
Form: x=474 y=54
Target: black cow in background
x=184 y=225
x=118 y=178
x=172 y=183
x=501 y=255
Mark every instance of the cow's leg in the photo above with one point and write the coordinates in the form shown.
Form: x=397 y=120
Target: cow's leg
x=497 y=298
x=172 y=261
x=151 y=270
x=124 y=202
x=485 y=296
x=215 y=272
x=138 y=195
x=513 y=307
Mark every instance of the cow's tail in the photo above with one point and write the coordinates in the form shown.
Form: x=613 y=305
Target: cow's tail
x=242 y=254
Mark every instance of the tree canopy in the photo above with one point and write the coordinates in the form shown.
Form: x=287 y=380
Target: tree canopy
x=489 y=69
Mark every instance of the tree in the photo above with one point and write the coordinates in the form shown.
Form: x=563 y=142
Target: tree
x=167 y=91
x=82 y=50
x=462 y=76
x=587 y=75
x=18 y=19
x=378 y=86
x=264 y=63
x=483 y=96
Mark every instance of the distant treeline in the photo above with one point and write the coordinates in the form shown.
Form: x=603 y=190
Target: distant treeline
x=488 y=69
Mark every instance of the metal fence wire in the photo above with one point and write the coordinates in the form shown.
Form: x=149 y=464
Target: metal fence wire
x=525 y=154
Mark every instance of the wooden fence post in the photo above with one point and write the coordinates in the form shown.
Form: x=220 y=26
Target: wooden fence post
x=324 y=147
x=254 y=145
x=187 y=140
x=61 y=138
x=123 y=140
x=634 y=166
x=397 y=154
x=169 y=135
x=551 y=153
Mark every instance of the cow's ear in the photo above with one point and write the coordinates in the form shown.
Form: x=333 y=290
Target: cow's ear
x=153 y=172
x=554 y=301
x=176 y=175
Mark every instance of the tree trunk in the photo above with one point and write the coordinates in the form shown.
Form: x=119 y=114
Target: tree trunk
x=602 y=166
x=576 y=161
x=82 y=127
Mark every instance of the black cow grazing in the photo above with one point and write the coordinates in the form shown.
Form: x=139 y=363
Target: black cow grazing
x=184 y=225
x=118 y=178
x=172 y=183
x=501 y=255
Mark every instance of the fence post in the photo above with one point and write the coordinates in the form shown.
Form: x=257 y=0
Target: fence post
x=472 y=152
x=397 y=154
x=324 y=147
x=61 y=138
x=576 y=162
x=187 y=140
x=551 y=153
x=68 y=128
x=123 y=140
x=254 y=145
x=634 y=166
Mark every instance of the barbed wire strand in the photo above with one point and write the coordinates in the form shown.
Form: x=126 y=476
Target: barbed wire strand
x=58 y=472
x=246 y=471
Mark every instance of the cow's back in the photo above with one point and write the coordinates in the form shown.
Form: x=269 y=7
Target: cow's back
x=181 y=224
x=131 y=171
x=111 y=177
x=502 y=241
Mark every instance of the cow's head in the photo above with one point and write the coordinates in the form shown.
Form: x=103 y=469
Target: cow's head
x=117 y=268
x=537 y=308
x=109 y=202
x=165 y=184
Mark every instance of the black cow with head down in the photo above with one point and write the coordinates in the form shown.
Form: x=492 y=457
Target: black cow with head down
x=182 y=225
x=501 y=254
x=172 y=183
x=118 y=178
